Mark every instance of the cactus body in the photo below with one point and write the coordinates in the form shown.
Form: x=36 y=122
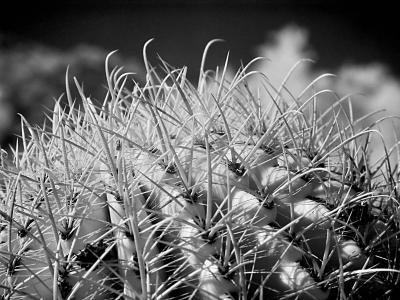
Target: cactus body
x=170 y=191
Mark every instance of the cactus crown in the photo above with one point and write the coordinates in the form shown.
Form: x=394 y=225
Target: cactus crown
x=215 y=191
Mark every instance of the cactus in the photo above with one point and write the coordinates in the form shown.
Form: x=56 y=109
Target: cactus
x=172 y=191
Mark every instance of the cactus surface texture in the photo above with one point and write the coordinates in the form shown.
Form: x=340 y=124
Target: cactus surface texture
x=215 y=191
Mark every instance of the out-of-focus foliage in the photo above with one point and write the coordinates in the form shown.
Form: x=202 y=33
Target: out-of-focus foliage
x=32 y=76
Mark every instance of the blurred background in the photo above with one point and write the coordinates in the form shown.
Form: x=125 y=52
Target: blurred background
x=355 y=40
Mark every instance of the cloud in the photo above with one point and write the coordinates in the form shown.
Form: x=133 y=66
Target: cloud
x=380 y=92
x=373 y=83
x=282 y=51
x=32 y=76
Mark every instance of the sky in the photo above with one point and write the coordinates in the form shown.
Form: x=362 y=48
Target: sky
x=339 y=30
x=356 y=40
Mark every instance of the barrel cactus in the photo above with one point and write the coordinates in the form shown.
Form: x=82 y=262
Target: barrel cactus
x=176 y=191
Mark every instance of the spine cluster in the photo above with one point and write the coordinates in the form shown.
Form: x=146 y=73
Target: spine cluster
x=171 y=191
